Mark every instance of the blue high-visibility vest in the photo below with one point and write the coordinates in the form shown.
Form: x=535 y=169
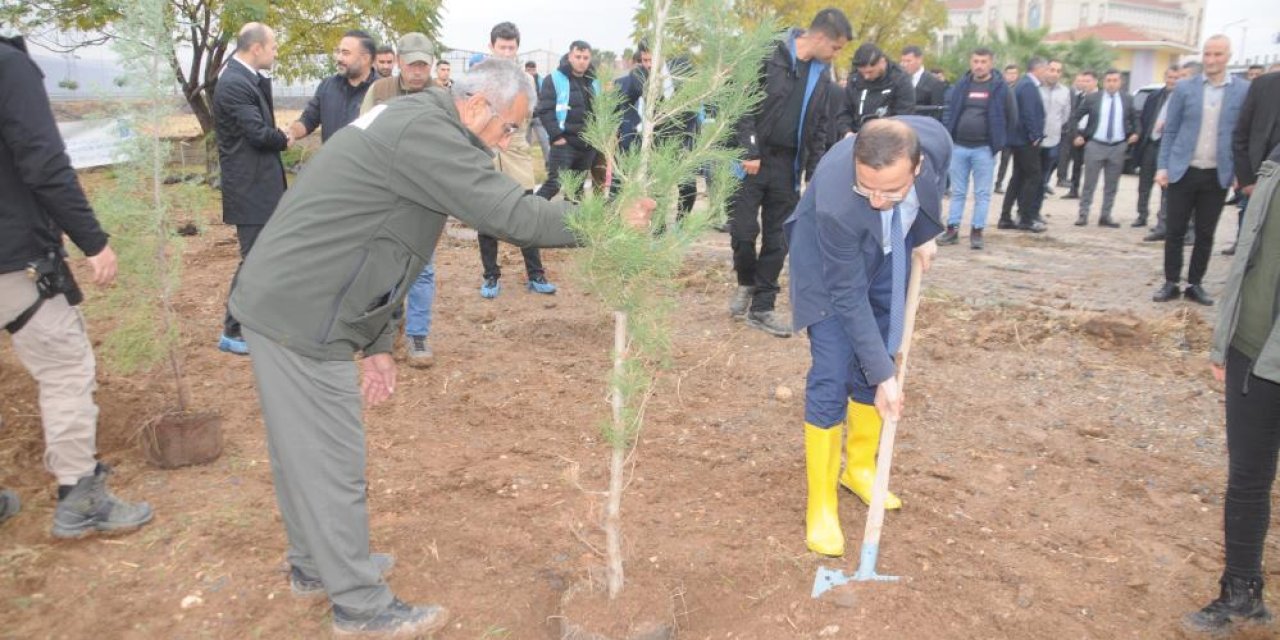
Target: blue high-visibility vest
x=561 y=83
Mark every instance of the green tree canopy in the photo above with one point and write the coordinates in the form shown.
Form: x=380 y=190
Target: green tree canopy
x=1017 y=46
x=891 y=24
x=203 y=32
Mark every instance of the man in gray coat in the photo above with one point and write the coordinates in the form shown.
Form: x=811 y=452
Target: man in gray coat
x=324 y=284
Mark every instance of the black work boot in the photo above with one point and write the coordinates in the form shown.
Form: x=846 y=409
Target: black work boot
x=1168 y=291
x=975 y=239
x=952 y=235
x=770 y=322
x=89 y=507
x=740 y=301
x=1239 y=604
x=398 y=619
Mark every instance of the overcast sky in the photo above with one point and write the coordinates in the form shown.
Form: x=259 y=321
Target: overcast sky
x=1261 y=18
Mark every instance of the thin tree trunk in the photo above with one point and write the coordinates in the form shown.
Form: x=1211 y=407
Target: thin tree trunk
x=162 y=245
x=613 y=515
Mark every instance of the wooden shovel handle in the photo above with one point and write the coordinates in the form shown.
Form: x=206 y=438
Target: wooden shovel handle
x=909 y=316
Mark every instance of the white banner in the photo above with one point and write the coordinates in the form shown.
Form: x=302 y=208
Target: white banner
x=94 y=143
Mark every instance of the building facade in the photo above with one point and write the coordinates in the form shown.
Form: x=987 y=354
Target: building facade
x=1148 y=35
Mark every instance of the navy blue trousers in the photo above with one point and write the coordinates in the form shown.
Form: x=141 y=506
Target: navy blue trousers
x=835 y=374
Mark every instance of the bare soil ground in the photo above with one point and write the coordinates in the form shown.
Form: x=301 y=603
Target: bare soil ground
x=1061 y=463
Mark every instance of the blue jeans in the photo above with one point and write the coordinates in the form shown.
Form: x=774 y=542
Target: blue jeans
x=417 y=316
x=981 y=162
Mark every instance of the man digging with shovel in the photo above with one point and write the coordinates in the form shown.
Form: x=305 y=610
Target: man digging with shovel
x=873 y=197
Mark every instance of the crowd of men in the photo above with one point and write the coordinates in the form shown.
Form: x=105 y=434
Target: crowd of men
x=334 y=264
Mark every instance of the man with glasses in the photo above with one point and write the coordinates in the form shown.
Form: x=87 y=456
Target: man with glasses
x=323 y=285
x=874 y=199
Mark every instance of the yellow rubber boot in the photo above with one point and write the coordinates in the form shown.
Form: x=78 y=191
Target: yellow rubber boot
x=822 y=464
x=860 y=454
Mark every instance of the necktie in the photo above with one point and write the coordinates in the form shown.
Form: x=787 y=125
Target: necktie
x=898 y=256
x=1111 y=121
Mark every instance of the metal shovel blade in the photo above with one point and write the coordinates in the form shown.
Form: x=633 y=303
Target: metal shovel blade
x=828 y=579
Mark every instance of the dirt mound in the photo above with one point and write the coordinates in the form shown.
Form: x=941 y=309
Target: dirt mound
x=1026 y=326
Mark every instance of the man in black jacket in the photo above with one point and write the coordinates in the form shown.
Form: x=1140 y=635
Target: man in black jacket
x=782 y=139
x=1151 y=128
x=1257 y=132
x=878 y=89
x=42 y=200
x=930 y=91
x=249 y=146
x=338 y=98
x=564 y=102
x=1112 y=126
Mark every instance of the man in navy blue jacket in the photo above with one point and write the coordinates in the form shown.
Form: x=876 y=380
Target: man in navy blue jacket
x=1024 y=142
x=874 y=198
x=977 y=112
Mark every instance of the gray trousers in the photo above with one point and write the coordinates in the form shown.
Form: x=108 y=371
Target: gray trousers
x=1099 y=157
x=315 y=437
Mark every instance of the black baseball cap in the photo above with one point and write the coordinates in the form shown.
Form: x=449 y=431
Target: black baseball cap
x=867 y=55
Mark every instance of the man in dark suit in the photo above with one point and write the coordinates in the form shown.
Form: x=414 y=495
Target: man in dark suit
x=1112 y=126
x=1024 y=143
x=1256 y=134
x=850 y=239
x=930 y=91
x=1086 y=83
x=249 y=146
x=1151 y=129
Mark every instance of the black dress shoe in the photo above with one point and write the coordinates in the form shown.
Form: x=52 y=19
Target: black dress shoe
x=1165 y=293
x=1071 y=195
x=1109 y=223
x=1082 y=221
x=1006 y=223
x=1035 y=226
x=1156 y=235
x=1196 y=293
x=1140 y=222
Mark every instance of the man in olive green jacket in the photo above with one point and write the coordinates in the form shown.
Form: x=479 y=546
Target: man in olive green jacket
x=322 y=286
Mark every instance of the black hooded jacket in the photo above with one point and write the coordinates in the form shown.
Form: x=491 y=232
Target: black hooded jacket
x=40 y=195
x=892 y=94
x=779 y=78
x=580 y=98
